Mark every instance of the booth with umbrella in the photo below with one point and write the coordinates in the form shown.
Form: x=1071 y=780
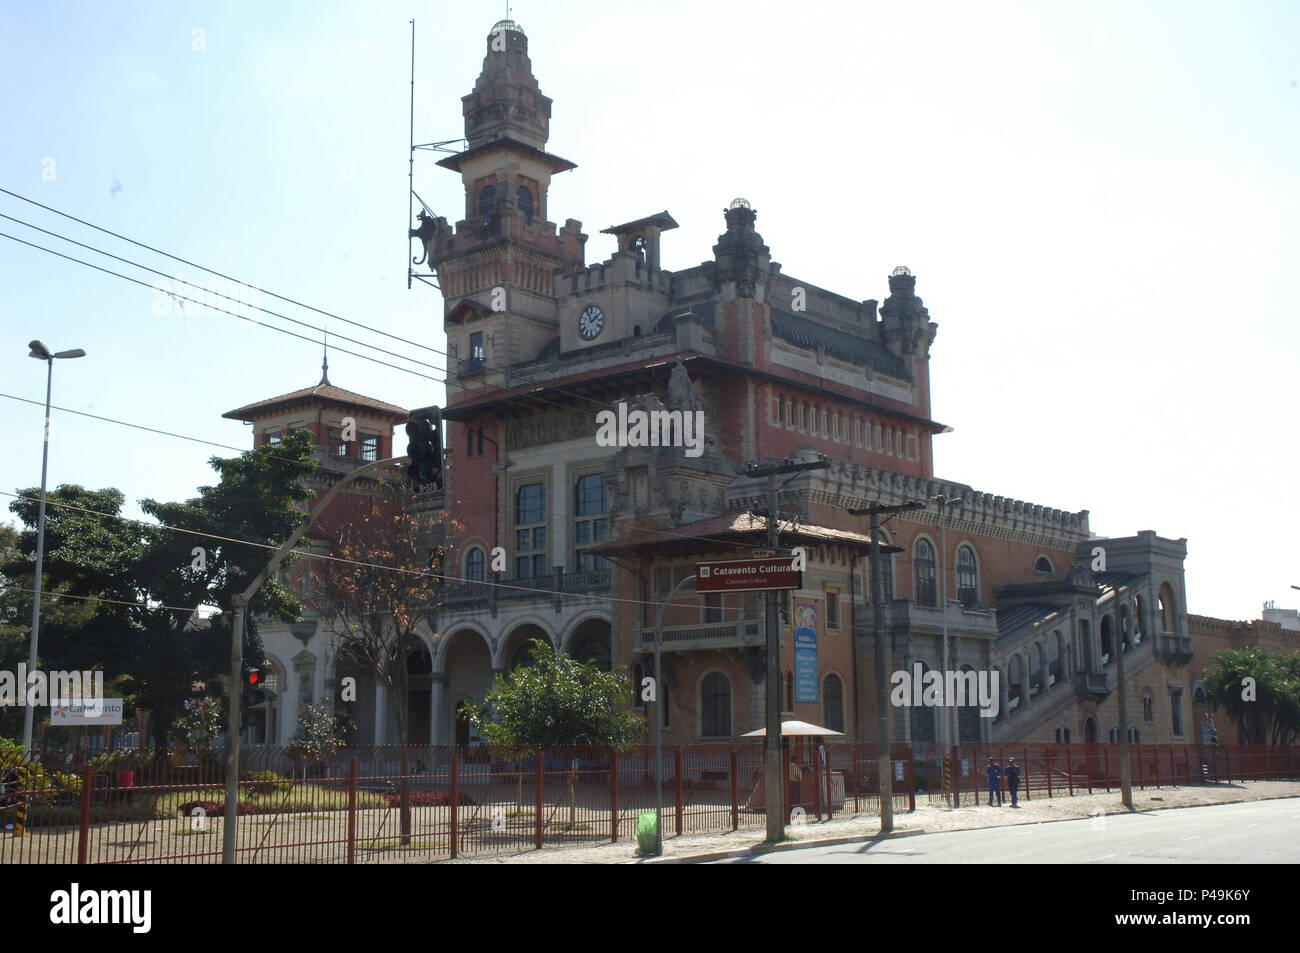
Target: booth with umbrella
x=810 y=782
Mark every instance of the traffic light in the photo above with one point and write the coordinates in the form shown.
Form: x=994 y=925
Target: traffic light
x=424 y=431
x=252 y=695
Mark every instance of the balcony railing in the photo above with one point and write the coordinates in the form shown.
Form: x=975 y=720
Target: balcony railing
x=1091 y=683
x=708 y=635
x=469 y=367
x=535 y=587
x=1176 y=647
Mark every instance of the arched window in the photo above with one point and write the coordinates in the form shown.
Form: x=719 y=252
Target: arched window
x=923 y=570
x=1090 y=730
x=833 y=703
x=1199 y=697
x=1044 y=565
x=593 y=649
x=1134 y=736
x=922 y=715
x=715 y=706
x=1015 y=682
x=968 y=715
x=1113 y=732
x=1148 y=706
x=475 y=565
x=1062 y=735
x=1168 y=610
x=1035 y=670
x=638 y=676
x=1054 y=671
x=968 y=583
x=487 y=204
x=1107 y=640
x=524 y=199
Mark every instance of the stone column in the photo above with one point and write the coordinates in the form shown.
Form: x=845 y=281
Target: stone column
x=437 y=701
x=381 y=714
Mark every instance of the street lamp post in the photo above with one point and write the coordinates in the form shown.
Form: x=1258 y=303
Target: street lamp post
x=42 y=353
x=658 y=715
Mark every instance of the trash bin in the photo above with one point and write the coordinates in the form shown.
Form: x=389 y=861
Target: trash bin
x=647 y=833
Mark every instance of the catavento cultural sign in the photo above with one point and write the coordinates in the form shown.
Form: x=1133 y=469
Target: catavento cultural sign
x=733 y=575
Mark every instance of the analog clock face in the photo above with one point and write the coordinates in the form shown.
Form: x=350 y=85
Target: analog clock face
x=591 y=323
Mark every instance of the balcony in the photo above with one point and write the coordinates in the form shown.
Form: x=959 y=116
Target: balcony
x=1174 y=648
x=1091 y=684
x=470 y=367
x=709 y=635
x=471 y=594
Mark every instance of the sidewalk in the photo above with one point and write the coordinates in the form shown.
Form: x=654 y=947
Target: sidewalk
x=924 y=820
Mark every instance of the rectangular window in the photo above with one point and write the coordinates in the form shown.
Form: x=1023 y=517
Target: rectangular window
x=879 y=443
x=476 y=347
x=480 y=441
x=832 y=610
x=275 y=436
x=824 y=431
x=591 y=520
x=336 y=443
x=712 y=607
x=780 y=411
x=370 y=447
x=530 y=531
x=1176 y=710
x=804 y=414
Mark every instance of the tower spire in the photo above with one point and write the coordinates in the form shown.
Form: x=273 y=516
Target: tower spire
x=325 y=361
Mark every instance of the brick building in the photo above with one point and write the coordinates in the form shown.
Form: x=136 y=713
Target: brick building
x=578 y=543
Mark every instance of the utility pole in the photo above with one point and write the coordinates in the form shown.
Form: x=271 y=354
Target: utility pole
x=882 y=670
x=775 y=781
x=946 y=745
x=1125 y=769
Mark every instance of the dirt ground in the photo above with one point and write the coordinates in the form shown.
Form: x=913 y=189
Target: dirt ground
x=928 y=819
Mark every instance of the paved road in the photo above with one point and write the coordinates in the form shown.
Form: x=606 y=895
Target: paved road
x=1253 y=833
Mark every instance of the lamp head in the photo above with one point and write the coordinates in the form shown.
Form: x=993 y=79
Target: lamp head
x=39 y=351
x=75 y=352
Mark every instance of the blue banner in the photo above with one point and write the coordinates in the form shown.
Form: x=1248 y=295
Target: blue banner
x=805 y=653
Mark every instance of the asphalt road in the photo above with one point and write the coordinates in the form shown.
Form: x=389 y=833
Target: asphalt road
x=1259 y=832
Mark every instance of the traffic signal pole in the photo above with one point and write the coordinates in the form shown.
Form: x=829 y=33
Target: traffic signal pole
x=239 y=604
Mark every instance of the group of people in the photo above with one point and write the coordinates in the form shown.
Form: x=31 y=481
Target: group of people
x=1012 y=773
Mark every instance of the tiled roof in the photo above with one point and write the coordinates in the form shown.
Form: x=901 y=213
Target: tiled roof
x=847 y=347
x=324 y=392
x=738 y=525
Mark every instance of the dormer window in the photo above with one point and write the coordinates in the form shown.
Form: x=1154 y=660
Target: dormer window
x=524 y=199
x=487 y=203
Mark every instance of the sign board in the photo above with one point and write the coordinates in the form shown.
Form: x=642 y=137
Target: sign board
x=735 y=575
x=965 y=767
x=898 y=770
x=805 y=653
x=88 y=711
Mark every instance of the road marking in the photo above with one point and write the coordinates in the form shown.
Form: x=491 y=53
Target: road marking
x=1193 y=837
x=1102 y=857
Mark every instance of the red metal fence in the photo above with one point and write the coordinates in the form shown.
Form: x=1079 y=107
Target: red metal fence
x=387 y=804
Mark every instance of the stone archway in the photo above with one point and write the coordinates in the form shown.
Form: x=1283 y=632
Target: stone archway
x=590 y=642
x=466 y=675
x=517 y=648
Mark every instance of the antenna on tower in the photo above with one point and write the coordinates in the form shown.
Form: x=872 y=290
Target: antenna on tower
x=426 y=214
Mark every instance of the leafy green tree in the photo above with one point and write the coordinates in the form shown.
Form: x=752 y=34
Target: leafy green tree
x=151 y=634
x=557 y=701
x=318 y=735
x=1273 y=716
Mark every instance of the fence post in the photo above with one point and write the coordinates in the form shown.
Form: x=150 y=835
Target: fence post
x=613 y=797
x=677 y=785
x=1089 y=753
x=352 y=810
x=909 y=778
x=1141 y=786
x=735 y=793
x=1069 y=769
x=1026 y=772
x=1002 y=774
x=1105 y=761
x=1047 y=759
x=539 y=781
x=857 y=781
x=83 y=838
x=455 y=803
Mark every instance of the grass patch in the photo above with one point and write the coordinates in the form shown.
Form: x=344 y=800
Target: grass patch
x=565 y=828
x=193 y=833
x=520 y=814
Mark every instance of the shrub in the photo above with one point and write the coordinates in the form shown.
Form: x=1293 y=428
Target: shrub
x=265 y=782
x=429 y=799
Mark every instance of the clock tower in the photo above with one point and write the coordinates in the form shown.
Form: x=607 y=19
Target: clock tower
x=497 y=267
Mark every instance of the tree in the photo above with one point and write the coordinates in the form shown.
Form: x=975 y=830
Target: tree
x=557 y=701
x=318 y=735
x=150 y=633
x=375 y=602
x=1269 y=715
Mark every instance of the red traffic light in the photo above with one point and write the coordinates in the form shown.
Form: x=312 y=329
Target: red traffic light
x=253 y=677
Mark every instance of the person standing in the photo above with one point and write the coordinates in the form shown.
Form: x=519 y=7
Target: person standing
x=1013 y=779
x=995 y=782
x=796 y=782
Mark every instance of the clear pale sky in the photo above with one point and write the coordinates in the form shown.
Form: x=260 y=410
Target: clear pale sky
x=1099 y=202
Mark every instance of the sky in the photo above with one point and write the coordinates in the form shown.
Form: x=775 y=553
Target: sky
x=1099 y=202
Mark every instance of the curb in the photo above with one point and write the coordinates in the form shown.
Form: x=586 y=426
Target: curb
x=758 y=849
